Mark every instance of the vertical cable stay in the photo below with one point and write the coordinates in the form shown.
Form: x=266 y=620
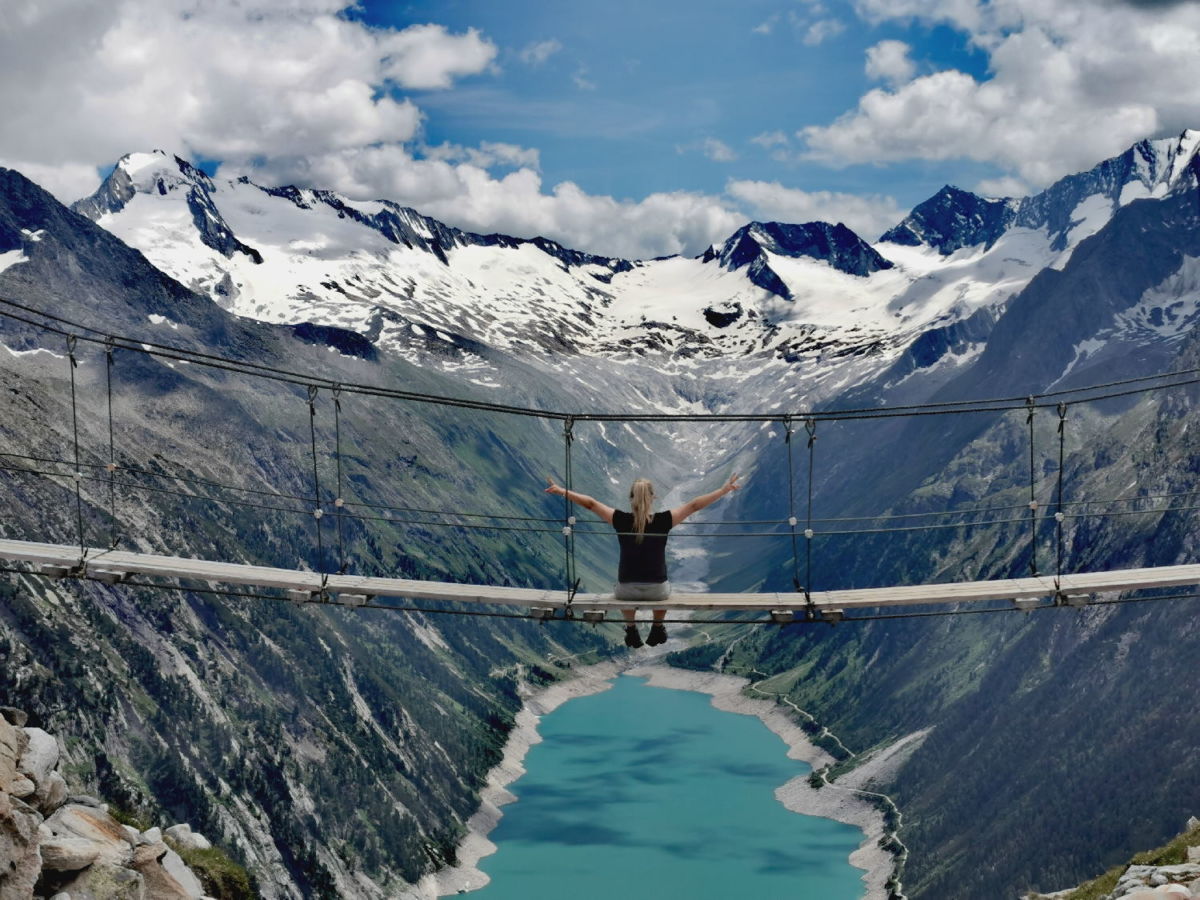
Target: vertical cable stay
x=114 y=537
x=1058 y=510
x=317 y=512
x=568 y=519
x=339 y=501
x=72 y=364
x=792 y=522
x=810 y=426
x=1033 y=504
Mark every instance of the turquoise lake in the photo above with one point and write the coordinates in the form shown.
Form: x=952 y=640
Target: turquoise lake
x=644 y=792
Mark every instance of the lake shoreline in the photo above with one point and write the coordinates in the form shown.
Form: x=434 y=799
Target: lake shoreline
x=725 y=691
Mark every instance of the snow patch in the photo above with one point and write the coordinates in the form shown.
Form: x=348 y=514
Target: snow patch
x=11 y=258
x=33 y=352
x=1168 y=310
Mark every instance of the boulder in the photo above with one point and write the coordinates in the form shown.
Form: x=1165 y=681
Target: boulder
x=102 y=881
x=51 y=793
x=152 y=836
x=12 y=745
x=40 y=757
x=69 y=854
x=22 y=787
x=184 y=837
x=15 y=716
x=77 y=821
x=160 y=884
x=87 y=800
x=178 y=870
x=20 y=861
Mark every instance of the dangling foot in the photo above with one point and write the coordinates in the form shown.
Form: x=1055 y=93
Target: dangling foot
x=658 y=634
x=633 y=637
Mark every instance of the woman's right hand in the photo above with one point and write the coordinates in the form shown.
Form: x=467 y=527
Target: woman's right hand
x=555 y=489
x=732 y=483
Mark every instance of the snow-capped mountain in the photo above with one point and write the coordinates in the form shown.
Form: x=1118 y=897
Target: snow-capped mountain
x=812 y=302
x=1068 y=211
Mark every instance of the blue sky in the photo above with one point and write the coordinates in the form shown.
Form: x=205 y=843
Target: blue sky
x=630 y=128
x=624 y=105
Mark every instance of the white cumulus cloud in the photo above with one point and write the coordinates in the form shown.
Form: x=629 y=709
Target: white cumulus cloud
x=487 y=155
x=889 y=61
x=84 y=83
x=1070 y=83
x=428 y=56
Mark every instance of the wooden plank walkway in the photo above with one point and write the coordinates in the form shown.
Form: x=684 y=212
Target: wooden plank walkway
x=349 y=589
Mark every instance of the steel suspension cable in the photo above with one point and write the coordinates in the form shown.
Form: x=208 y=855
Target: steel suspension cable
x=489 y=613
x=792 y=522
x=1033 y=504
x=318 y=512
x=339 y=502
x=114 y=538
x=72 y=363
x=810 y=426
x=995 y=404
x=1058 y=512
x=568 y=528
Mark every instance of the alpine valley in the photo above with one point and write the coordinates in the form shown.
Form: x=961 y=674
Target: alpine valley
x=339 y=753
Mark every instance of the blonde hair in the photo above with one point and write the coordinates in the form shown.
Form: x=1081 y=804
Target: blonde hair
x=641 y=495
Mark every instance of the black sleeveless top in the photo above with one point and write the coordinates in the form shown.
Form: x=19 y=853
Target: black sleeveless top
x=644 y=563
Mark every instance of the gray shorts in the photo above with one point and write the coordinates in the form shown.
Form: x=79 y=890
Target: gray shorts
x=642 y=590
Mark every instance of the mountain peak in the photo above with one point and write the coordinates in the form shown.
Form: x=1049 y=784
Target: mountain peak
x=836 y=245
x=953 y=218
x=158 y=172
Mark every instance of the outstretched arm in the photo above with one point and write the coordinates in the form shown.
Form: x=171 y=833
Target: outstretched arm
x=682 y=512
x=588 y=503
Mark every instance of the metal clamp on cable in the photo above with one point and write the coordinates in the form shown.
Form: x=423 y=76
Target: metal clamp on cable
x=1075 y=601
x=107 y=576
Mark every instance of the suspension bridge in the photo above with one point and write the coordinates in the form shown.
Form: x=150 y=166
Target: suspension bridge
x=114 y=565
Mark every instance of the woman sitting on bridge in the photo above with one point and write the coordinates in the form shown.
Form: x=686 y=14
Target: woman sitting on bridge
x=642 y=533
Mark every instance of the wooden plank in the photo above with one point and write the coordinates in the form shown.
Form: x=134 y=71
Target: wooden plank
x=847 y=599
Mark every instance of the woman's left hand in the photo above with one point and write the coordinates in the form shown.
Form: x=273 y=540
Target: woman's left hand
x=732 y=483
x=554 y=488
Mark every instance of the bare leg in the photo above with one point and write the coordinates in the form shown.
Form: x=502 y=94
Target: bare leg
x=629 y=615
